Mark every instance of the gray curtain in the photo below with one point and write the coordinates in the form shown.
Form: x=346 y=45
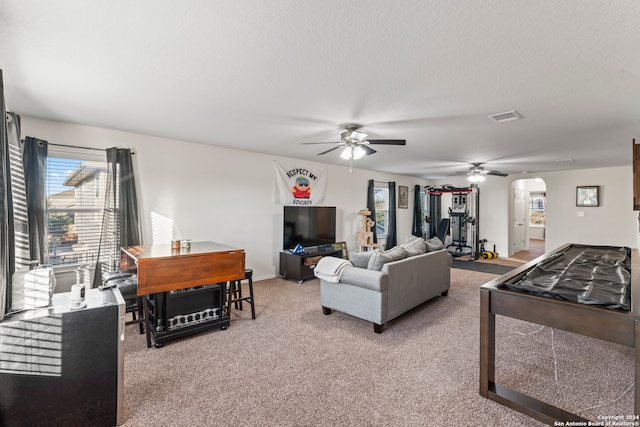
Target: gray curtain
x=120 y=223
x=416 y=229
x=6 y=230
x=128 y=198
x=392 y=239
x=35 y=171
x=371 y=205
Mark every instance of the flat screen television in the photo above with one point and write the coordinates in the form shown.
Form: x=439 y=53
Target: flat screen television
x=309 y=226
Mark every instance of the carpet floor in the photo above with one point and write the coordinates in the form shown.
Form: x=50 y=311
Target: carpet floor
x=294 y=366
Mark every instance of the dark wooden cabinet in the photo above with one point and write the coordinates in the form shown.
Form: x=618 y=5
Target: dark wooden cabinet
x=300 y=267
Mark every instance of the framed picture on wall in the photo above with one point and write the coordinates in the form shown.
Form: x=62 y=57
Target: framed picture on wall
x=403 y=197
x=588 y=196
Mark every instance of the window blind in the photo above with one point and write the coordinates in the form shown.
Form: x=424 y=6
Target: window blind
x=75 y=204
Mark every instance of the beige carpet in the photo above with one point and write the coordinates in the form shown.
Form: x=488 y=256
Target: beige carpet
x=294 y=366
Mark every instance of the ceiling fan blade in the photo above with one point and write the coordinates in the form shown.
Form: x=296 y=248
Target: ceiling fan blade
x=310 y=143
x=329 y=150
x=368 y=149
x=497 y=173
x=388 y=141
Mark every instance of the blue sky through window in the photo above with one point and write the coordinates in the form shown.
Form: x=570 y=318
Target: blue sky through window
x=58 y=170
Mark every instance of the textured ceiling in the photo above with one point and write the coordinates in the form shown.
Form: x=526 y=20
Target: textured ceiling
x=266 y=76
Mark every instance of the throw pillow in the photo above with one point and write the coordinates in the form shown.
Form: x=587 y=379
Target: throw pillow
x=414 y=246
x=411 y=251
x=411 y=238
x=434 y=244
x=361 y=259
x=378 y=259
x=397 y=252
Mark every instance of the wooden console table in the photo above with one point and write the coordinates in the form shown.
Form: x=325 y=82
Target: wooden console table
x=166 y=274
x=620 y=327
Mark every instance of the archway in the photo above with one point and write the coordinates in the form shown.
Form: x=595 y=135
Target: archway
x=527 y=212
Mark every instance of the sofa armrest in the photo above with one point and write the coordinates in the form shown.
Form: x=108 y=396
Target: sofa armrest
x=363 y=278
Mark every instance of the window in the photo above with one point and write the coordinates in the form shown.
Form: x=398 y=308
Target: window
x=537 y=202
x=381 y=199
x=75 y=202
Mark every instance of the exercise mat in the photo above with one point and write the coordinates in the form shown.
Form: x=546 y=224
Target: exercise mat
x=594 y=275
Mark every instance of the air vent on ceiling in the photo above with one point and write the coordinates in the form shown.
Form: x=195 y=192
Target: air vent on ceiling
x=509 y=116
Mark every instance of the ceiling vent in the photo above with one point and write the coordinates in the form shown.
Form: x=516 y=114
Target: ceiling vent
x=509 y=116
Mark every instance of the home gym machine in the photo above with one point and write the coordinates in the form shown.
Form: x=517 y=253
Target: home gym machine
x=461 y=223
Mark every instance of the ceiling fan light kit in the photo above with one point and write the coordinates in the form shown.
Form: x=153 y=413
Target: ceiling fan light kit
x=352 y=152
x=355 y=143
x=475 y=178
x=477 y=173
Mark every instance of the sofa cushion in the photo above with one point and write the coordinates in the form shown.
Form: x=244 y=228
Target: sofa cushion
x=434 y=244
x=414 y=246
x=378 y=259
x=397 y=252
x=361 y=259
x=410 y=238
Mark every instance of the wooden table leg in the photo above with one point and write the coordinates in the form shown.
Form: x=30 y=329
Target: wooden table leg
x=227 y=288
x=147 y=324
x=487 y=344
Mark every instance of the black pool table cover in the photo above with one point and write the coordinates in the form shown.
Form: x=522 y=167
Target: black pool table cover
x=594 y=275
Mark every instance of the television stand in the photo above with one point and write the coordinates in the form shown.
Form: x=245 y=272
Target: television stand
x=300 y=267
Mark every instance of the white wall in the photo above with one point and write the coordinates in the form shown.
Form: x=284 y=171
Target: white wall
x=209 y=193
x=201 y=192
x=612 y=223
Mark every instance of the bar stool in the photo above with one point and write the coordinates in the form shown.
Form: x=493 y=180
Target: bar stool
x=235 y=293
x=129 y=290
x=127 y=284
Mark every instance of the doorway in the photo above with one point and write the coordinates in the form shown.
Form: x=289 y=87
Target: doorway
x=527 y=228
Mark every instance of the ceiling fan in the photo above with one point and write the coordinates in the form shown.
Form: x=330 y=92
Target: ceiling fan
x=477 y=172
x=356 y=144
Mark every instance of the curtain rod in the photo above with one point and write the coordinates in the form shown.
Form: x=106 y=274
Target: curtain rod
x=76 y=146
x=82 y=148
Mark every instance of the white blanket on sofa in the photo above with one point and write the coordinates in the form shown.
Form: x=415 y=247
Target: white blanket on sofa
x=330 y=268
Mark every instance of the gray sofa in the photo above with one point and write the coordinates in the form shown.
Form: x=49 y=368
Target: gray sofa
x=399 y=286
